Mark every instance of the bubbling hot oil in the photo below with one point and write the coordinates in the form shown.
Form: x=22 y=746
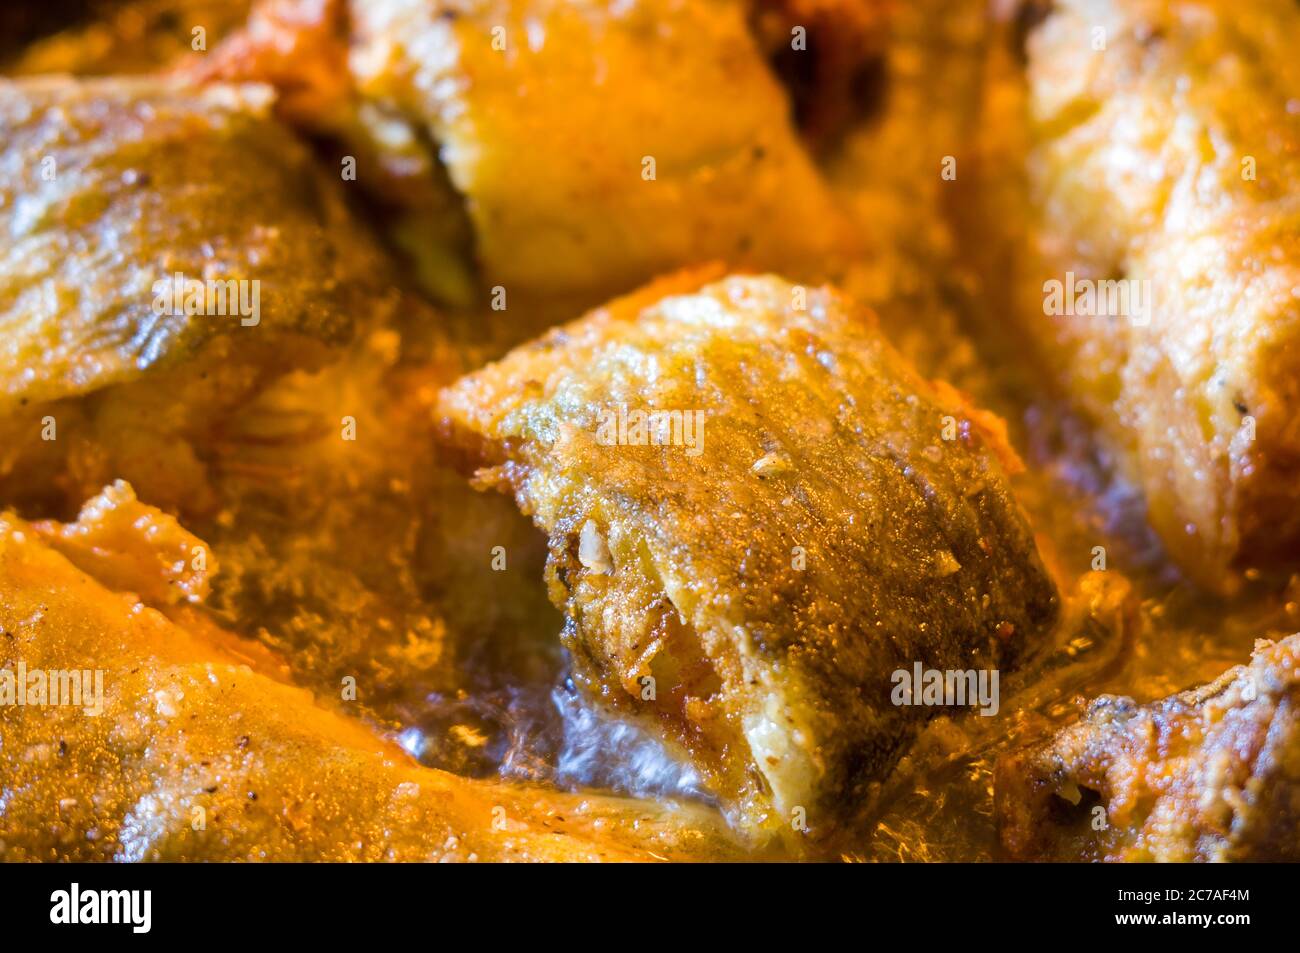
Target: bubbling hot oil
x=545 y=734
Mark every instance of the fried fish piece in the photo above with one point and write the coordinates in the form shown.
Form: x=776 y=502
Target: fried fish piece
x=747 y=568
x=603 y=143
x=182 y=748
x=590 y=146
x=1209 y=774
x=1163 y=168
x=110 y=190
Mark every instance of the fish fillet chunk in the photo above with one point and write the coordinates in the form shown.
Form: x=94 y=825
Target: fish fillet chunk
x=598 y=145
x=747 y=570
x=109 y=190
x=1165 y=156
x=1209 y=774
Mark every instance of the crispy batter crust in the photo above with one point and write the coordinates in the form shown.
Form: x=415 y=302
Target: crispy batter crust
x=109 y=186
x=566 y=152
x=145 y=181
x=549 y=139
x=1210 y=774
x=1171 y=157
x=825 y=534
